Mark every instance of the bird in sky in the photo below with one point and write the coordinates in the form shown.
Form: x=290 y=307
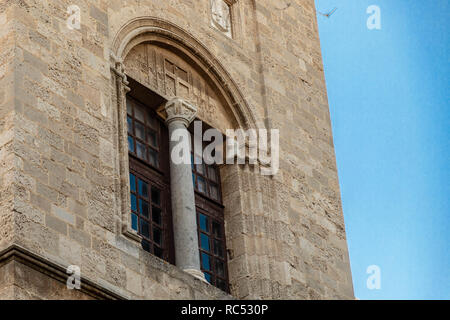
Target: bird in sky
x=329 y=13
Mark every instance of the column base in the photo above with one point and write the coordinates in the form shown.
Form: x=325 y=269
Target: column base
x=197 y=274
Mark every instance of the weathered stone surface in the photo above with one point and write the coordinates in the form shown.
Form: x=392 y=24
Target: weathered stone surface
x=63 y=184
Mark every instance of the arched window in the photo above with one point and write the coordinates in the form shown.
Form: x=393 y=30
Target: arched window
x=150 y=191
x=161 y=61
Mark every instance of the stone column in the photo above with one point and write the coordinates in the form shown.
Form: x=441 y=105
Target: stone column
x=179 y=116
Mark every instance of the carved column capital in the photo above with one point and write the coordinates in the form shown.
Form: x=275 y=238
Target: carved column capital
x=178 y=109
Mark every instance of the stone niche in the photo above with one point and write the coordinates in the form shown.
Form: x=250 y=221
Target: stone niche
x=170 y=73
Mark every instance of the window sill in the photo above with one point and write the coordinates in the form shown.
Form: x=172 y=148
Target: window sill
x=131 y=234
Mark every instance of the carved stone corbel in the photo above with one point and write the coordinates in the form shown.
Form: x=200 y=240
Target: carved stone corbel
x=118 y=69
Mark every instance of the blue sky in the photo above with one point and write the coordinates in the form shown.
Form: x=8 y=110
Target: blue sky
x=389 y=96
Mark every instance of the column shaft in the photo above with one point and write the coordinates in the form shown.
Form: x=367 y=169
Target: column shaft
x=182 y=190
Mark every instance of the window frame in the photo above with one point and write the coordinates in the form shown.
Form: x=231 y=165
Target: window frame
x=158 y=132
x=212 y=208
x=207 y=179
x=156 y=176
x=215 y=212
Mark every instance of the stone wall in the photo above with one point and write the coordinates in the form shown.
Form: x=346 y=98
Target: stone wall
x=7 y=159
x=60 y=150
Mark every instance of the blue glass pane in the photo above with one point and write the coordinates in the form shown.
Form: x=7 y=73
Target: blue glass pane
x=204 y=225
x=140 y=131
x=143 y=189
x=214 y=192
x=134 y=222
x=220 y=268
x=145 y=230
x=132 y=183
x=201 y=168
x=139 y=113
x=141 y=151
x=129 y=107
x=206 y=262
x=156 y=215
x=133 y=203
x=204 y=242
x=208 y=277
x=216 y=229
x=154 y=158
x=152 y=138
x=130 y=125
x=218 y=248
x=131 y=144
x=156 y=196
x=201 y=184
x=144 y=208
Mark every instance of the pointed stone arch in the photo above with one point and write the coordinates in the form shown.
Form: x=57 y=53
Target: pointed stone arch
x=158 y=33
x=235 y=178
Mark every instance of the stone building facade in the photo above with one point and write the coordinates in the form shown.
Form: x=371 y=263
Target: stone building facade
x=65 y=156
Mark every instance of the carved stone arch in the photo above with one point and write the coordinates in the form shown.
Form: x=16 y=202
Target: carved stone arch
x=158 y=33
x=235 y=179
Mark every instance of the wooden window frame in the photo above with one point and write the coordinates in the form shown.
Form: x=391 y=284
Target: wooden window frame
x=154 y=176
x=215 y=213
x=147 y=128
x=208 y=181
x=214 y=210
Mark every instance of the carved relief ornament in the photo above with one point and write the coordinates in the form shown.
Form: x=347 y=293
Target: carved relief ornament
x=221 y=16
x=178 y=109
